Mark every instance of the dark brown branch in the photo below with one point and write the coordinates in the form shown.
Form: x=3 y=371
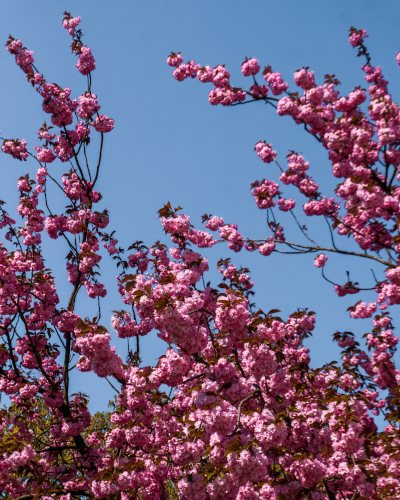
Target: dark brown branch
x=211 y=336
x=98 y=164
x=240 y=411
x=330 y=493
x=193 y=378
x=75 y=155
x=30 y=496
x=238 y=363
x=310 y=249
x=199 y=359
x=116 y=390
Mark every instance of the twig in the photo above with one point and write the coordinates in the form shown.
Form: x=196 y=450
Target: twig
x=238 y=363
x=240 y=410
x=193 y=378
x=112 y=385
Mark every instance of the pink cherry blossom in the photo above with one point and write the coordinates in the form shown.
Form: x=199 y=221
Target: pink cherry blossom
x=320 y=260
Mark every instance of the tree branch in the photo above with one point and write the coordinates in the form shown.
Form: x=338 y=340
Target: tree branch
x=240 y=411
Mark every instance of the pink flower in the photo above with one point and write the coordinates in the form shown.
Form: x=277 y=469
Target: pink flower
x=225 y=96
x=88 y=105
x=28 y=391
x=264 y=194
x=214 y=223
x=86 y=62
x=184 y=71
x=103 y=124
x=95 y=290
x=221 y=77
x=304 y=78
x=265 y=152
x=70 y=23
x=250 y=67
x=205 y=74
x=342 y=291
x=230 y=233
x=23 y=58
x=16 y=148
x=321 y=207
x=286 y=205
x=357 y=37
x=363 y=310
x=267 y=248
x=174 y=59
x=45 y=155
x=275 y=82
x=320 y=260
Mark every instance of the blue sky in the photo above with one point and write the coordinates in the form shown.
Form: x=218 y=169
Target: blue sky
x=170 y=144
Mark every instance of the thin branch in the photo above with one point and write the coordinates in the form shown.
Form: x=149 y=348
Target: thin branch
x=238 y=363
x=116 y=390
x=30 y=496
x=331 y=233
x=309 y=249
x=350 y=288
x=98 y=164
x=240 y=411
x=302 y=229
x=193 y=378
x=75 y=155
x=330 y=493
x=198 y=358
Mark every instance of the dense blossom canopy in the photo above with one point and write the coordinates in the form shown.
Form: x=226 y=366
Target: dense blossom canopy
x=246 y=417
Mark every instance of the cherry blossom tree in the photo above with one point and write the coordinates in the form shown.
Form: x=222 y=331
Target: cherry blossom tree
x=245 y=417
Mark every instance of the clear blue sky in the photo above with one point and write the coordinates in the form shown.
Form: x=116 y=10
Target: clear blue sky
x=169 y=144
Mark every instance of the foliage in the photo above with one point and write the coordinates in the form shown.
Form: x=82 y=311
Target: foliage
x=249 y=418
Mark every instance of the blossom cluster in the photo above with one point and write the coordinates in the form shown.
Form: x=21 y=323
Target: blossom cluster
x=366 y=205
x=247 y=418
